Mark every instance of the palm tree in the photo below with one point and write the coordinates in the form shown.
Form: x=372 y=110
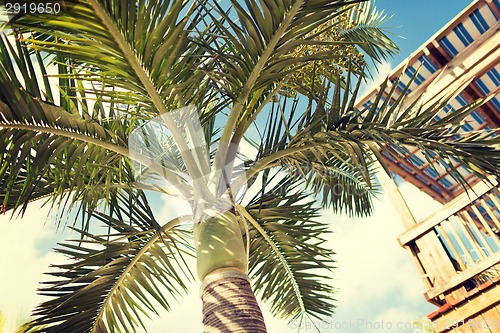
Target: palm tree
x=104 y=142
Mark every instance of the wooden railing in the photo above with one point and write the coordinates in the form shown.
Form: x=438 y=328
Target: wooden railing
x=458 y=247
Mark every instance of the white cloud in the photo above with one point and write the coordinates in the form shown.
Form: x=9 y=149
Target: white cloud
x=375 y=276
x=23 y=262
x=418 y=200
x=172 y=207
x=397 y=320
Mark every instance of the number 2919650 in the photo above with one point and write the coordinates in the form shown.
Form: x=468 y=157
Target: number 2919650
x=24 y=7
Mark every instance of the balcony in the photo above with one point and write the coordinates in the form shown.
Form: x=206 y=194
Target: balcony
x=457 y=251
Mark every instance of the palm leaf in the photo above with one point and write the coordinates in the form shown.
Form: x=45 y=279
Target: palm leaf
x=252 y=52
x=155 y=69
x=114 y=281
x=332 y=171
x=133 y=45
x=43 y=148
x=48 y=151
x=288 y=260
x=356 y=137
x=54 y=151
x=391 y=127
x=367 y=32
x=339 y=40
x=42 y=145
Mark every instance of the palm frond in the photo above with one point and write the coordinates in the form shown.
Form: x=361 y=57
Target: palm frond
x=76 y=150
x=390 y=125
x=367 y=32
x=289 y=262
x=332 y=171
x=156 y=68
x=138 y=47
x=251 y=50
x=115 y=280
x=47 y=150
x=340 y=40
x=336 y=132
x=251 y=53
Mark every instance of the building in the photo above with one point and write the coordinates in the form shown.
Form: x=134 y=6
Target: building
x=457 y=249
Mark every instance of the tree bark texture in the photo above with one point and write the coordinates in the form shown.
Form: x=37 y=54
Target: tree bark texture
x=229 y=304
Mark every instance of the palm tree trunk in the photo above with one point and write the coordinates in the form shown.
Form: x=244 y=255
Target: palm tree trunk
x=229 y=304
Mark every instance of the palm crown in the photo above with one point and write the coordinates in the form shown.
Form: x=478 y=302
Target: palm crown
x=291 y=67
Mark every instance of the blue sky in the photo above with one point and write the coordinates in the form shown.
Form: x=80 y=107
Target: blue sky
x=379 y=287
x=417 y=21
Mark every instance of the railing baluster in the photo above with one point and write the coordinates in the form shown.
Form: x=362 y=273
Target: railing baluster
x=420 y=267
x=493 y=198
x=445 y=236
x=467 y=233
x=473 y=225
x=486 y=226
x=461 y=244
x=491 y=214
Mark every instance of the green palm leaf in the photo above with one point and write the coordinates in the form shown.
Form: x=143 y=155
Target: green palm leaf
x=289 y=263
x=367 y=32
x=153 y=75
x=356 y=137
x=115 y=280
x=125 y=40
x=54 y=151
x=43 y=148
x=333 y=170
x=392 y=127
x=252 y=53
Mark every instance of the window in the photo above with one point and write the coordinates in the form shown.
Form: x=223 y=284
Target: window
x=428 y=64
x=477 y=117
x=463 y=34
x=446 y=183
x=431 y=172
x=479 y=21
x=410 y=71
x=448 y=46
